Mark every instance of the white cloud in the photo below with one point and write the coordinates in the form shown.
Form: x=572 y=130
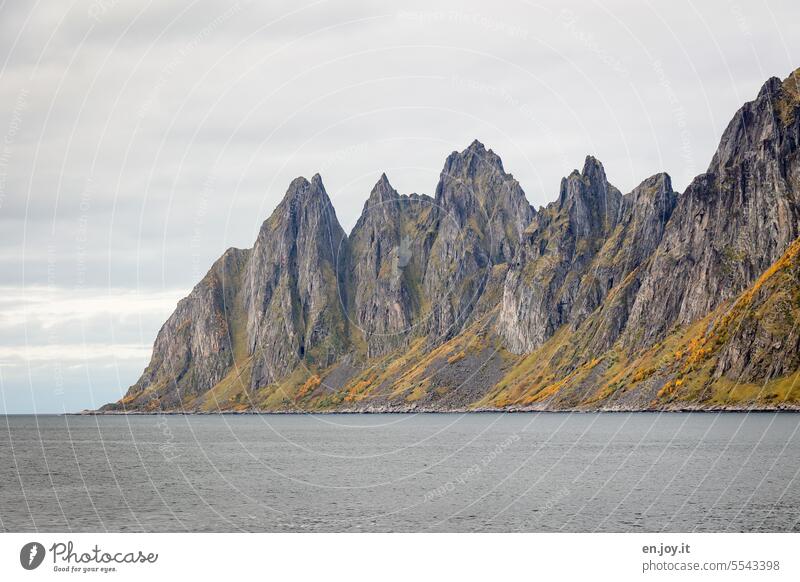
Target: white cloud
x=72 y=353
x=53 y=325
x=47 y=307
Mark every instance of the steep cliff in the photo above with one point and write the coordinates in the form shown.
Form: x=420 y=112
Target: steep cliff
x=293 y=297
x=544 y=284
x=195 y=347
x=472 y=300
x=481 y=213
x=389 y=245
x=732 y=222
x=258 y=315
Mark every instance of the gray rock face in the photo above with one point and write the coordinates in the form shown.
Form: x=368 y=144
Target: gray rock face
x=473 y=186
x=547 y=279
x=731 y=223
x=389 y=248
x=293 y=296
x=762 y=329
x=610 y=271
x=610 y=285
x=481 y=215
x=420 y=265
x=194 y=348
x=283 y=304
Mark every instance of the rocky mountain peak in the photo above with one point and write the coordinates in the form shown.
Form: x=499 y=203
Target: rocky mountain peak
x=576 y=251
x=386 y=247
x=770 y=87
x=590 y=202
x=474 y=182
x=381 y=209
x=652 y=187
x=651 y=205
x=291 y=295
x=589 y=182
x=381 y=193
x=732 y=222
x=653 y=196
x=473 y=161
x=593 y=170
x=481 y=213
x=790 y=89
x=298 y=184
x=763 y=126
x=302 y=191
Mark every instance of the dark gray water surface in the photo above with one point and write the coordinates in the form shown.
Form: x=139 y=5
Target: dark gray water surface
x=428 y=472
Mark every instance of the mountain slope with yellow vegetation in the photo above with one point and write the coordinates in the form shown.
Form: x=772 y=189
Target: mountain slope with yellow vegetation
x=472 y=300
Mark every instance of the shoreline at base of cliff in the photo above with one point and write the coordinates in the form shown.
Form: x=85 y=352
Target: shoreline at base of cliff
x=790 y=408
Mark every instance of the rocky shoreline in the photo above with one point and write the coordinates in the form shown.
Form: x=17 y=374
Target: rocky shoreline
x=786 y=408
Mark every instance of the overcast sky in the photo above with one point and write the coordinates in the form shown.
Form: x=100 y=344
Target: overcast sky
x=141 y=139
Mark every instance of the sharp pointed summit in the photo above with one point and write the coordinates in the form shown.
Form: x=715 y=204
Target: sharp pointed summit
x=382 y=193
x=472 y=162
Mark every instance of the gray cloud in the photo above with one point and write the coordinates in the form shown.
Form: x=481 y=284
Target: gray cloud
x=138 y=141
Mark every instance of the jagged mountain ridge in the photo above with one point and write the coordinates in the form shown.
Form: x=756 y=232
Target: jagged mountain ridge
x=472 y=299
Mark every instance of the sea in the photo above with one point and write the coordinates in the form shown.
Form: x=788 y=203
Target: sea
x=477 y=472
